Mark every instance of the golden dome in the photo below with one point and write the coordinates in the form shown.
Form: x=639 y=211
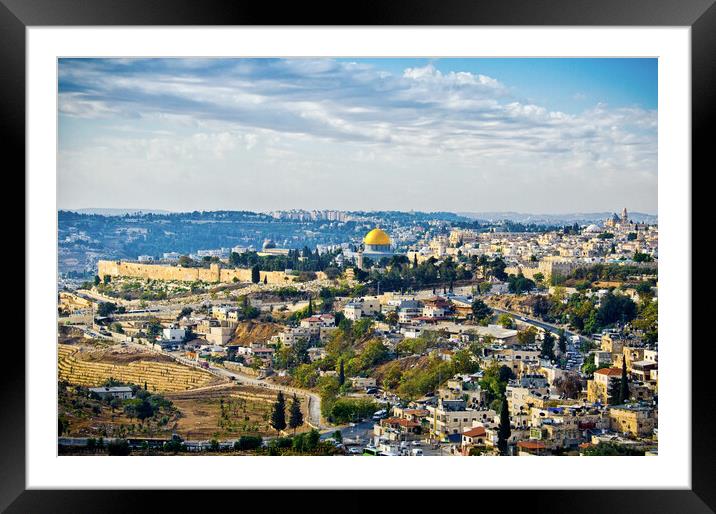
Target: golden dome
x=377 y=237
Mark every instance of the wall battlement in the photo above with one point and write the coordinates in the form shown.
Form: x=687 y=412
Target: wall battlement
x=215 y=274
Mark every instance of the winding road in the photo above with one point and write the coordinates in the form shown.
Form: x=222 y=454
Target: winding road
x=314 y=401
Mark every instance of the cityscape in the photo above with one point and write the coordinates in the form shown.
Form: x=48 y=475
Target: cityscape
x=476 y=276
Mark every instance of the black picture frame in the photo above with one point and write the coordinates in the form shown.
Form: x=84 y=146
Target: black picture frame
x=700 y=15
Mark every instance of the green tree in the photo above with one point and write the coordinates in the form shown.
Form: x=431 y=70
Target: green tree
x=255 y=275
x=295 y=418
x=312 y=439
x=480 y=311
x=118 y=448
x=186 y=311
x=309 y=311
x=265 y=279
x=547 y=351
x=278 y=416
x=588 y=366
x=106 y=309
x=505 y=320
x=341 y=374
x=611 y=449
x=248 y=442
x=527 y=336
x=185 y=261
x=338 y=436
x=562 y=341
x=613 y=392
x=96 y=280
x=504 y=432
x=624 y=384
x=642 y=257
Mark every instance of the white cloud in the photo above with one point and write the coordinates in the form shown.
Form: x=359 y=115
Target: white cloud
x=322 y=112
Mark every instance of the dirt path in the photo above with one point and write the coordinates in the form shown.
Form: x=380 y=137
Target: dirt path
x=314 y=400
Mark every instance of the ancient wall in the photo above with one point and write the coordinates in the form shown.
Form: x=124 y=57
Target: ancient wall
x=214 y=274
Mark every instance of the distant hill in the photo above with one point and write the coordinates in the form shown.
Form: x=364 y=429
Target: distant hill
x=578 y=217
x=117 y=212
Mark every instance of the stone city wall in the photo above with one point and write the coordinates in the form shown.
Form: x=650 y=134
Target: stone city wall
x=214 y=274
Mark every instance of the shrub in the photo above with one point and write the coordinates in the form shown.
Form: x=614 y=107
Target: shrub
x=248 y=442
x=351 y=409
x=118 y=448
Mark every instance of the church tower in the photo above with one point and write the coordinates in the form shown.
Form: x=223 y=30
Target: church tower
x=625 y=216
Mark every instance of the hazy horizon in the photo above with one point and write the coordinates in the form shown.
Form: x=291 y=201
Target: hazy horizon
x=510 y=135
x=309 y=209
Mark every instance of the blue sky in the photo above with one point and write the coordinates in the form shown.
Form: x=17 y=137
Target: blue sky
x=569 y=85
x=527 y=135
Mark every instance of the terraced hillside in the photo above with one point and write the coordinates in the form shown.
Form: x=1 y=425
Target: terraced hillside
x=78 y=366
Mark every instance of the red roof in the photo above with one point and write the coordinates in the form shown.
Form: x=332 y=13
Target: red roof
x=612 y=372
x=475 y=432
x=402 y=422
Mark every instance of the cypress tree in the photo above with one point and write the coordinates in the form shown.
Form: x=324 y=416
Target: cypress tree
x=624 y=385
x=255 y=275
x=295 y=418
x=548 y=346
x=278 y=416
x=341 y=374
x=265 y=279
x=562 y=342
x=504 y=432
x=310 y=307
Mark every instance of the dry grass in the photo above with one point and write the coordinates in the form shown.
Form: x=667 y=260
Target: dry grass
x=246 y=411
x=90 y=366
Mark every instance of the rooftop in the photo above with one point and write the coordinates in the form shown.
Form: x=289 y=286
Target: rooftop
x=612 y=372
x=475 y=432
x=116 y=389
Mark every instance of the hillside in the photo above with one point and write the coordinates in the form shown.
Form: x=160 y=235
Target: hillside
x=251 y=332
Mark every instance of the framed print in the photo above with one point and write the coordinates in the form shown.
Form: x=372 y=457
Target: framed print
x=263 y=244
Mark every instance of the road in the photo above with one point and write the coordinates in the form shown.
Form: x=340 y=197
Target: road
x=314 y=400
x=538 y=323
x=572 y=349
